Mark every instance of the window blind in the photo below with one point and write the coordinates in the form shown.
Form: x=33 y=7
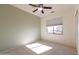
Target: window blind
x=55 y=21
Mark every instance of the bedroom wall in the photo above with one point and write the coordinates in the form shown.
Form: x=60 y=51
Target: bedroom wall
x=78 y=30
x=77 y=27
x=68 y=37
x=17 y=27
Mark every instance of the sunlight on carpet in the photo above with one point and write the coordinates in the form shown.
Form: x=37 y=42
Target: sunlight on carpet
x=38 y=48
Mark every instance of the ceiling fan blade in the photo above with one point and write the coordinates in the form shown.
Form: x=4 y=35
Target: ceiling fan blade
x=35 y=10
x=42 y=11
x=34 y=5
x=47 y=7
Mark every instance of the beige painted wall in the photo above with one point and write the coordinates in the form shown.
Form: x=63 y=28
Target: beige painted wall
x=17 y=27
x=68 y=37
x=77 y=24
x=78 y=29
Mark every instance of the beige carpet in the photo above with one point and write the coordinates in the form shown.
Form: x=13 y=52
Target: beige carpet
x=57 y=49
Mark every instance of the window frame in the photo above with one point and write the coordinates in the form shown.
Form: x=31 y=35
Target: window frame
x=53 y=30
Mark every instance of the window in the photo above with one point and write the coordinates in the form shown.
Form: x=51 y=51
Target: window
x=50 y=29
x=38 y=48
x=55 y=25
x=56 y=29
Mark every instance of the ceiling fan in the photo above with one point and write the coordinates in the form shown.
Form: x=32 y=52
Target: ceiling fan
x=40 y=7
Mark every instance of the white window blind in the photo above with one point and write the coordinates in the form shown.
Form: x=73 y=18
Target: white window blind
x=55 y=21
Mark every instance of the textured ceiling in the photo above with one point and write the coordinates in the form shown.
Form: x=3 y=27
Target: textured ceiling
x=56 y=8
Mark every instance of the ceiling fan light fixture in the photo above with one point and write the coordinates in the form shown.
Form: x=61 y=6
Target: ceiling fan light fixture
x=40 y=8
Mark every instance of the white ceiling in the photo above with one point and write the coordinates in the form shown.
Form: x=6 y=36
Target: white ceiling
x=56 y=8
